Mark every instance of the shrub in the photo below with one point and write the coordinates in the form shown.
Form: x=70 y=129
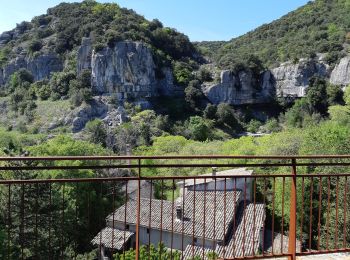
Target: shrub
x=198 y=128
x=35 y=46
x=182 y=73
x=225 y=115
x=97 y=132
x=253 y=126
x=210 y=111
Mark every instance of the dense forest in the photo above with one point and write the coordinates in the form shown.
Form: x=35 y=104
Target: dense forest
x=321 y=26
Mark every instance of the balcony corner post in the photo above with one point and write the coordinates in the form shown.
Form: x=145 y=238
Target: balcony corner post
x=137 y=249
x=293 y=213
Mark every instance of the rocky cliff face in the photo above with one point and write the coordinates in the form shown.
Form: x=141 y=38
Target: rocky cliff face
x=289 y=79
x=40 y=66
x=241 y=88
x=293 y=79
x=341 y=73
x=84 y=55
x=127 y=70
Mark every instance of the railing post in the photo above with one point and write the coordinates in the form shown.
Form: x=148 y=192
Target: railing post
x=137 y=249
x=293 y=213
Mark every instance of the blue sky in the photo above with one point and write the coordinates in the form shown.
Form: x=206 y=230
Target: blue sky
x=199 y=19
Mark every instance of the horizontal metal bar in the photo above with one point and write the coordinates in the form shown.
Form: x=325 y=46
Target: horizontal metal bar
x=135 y=166
x=184 y=157
x=255 y=176
x=112 y=179
x=323 y=175
x=32 y=181
x=95 y=167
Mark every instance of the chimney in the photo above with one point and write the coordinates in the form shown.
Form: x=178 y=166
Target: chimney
x=179 y=212
x=214 y=171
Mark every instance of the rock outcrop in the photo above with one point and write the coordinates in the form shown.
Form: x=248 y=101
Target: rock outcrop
x=289 y=79
x=341 y=73
x=84 y=55
x=97 y=108
x=241 y=88
x=83 y=114
x=40 y=66
x=127 y=70
x=293 y=79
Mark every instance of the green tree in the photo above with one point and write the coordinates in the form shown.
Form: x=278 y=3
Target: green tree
x=316 y=95
x=97 y=132
x=198 y=128
x=335 y=95
x=226 y=115
x=159 y=253
x=193 y=94
x=210 y=111
x=182 y=73
x=296 y=115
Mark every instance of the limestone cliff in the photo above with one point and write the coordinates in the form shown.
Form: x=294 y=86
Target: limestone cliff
x=341 y=73
x=241 y=88
x=40 y=66
x=289 y=79
x=127 y=70
x=293 y=79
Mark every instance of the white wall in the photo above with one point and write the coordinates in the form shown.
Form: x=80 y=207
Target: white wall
x=230 y=186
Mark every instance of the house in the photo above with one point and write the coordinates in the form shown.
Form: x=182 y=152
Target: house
x=210 y=215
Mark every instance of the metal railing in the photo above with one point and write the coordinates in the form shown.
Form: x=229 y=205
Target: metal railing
x=59 y=207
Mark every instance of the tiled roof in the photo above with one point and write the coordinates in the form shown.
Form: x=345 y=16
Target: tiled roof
x=229 y=173
x=107 y=235
x=244 y=241
x=213 y=224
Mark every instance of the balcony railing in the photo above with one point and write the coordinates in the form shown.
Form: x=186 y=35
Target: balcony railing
x=142 y=207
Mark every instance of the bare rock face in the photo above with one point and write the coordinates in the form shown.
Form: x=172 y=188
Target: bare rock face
x=83 y=114
x=241 y=88
x=2 y=80
x=84 y=55
x=341 y=73
x=293 y=79
x=127 y=70
x=40 y=66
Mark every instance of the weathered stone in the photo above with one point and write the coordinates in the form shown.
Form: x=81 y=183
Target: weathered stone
x=239 y=89
x=293 y=79
x=40 y=66
x=226 y=76
x=2 y=80
x=84 y=55
x=268 y=84
x=166 y=86
x=5 y=37
x=127 y=70
x=83 y=114
x=341 y=73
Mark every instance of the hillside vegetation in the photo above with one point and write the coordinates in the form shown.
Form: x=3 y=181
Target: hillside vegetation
x=63 y=27
x=321 y=26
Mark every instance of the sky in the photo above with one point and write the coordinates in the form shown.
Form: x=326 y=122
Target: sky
x=201 y=20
